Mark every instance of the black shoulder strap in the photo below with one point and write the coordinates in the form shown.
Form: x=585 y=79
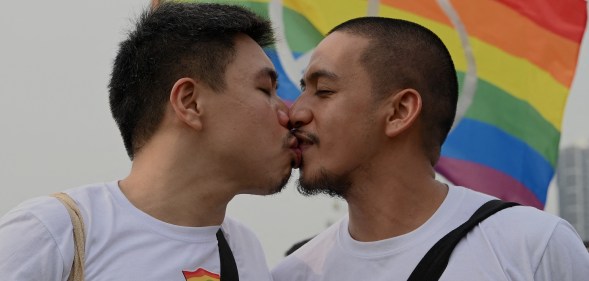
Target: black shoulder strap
x=435 y=261
x=228 y=266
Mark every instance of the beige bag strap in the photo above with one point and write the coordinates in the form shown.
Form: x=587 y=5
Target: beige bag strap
x=77 y=271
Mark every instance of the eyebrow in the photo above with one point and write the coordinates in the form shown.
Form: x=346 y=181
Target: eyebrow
x=320 y=74
x=267 y=71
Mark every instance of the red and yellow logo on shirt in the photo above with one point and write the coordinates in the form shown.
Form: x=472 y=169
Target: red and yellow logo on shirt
x=201 y=275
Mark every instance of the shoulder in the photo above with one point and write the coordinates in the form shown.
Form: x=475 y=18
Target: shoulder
x=565 y=257
x=307 y=260
x=526 y=233
x=531 y=224
x=35 y=240
x=536 y=242
x=241 y=238
x=320 y=244
x=293 y=268
x=48 y=217
x=235 y=230
x=513 y=225
x=87 y=197
x=534 y=227
x=247 y=249
x=523 y=242
x=46 y=212
x=514 y=229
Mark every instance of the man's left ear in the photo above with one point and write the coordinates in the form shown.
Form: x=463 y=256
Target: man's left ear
x=402 y=109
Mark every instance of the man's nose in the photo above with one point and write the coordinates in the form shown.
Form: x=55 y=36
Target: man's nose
x=300 y=115
x=282 y=111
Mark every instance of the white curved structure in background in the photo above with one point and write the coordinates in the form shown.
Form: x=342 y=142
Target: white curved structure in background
x=470 y=79
x=293 y=67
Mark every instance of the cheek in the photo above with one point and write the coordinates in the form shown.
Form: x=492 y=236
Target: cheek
x=344 y=139
x=335 y=128
x=268 y=125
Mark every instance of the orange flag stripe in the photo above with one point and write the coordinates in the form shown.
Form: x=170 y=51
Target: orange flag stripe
x=527 y=40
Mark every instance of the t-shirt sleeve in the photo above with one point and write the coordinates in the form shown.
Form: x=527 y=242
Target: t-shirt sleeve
x=565 y=257
x=28 y=251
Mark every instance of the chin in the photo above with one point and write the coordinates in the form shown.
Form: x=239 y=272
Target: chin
x=324 y=182
x=280 y=185
x=272 y=187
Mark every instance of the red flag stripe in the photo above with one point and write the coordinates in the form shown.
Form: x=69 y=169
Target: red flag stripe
x=566 y=18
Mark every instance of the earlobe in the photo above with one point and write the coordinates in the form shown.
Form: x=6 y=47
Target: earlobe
x=403 y=108
x=184 y=98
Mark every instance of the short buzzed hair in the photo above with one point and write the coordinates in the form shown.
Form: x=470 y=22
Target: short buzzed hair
x=402 y=55
x=171 y=41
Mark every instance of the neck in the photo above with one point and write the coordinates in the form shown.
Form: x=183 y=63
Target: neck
x=172 y=204
x=176 y=189
x=387 y=206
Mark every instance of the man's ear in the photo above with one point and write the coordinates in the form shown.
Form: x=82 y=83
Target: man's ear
x=402 y=109
x=185 y=101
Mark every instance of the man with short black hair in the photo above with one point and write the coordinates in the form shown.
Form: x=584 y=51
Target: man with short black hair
x=194 y=96
x=379 y=98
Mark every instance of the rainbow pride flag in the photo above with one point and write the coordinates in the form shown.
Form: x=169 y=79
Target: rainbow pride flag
x=515 y=61
x=201 y=275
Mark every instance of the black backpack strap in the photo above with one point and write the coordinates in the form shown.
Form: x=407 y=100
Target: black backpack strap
x=228 y=266
x=435 y=261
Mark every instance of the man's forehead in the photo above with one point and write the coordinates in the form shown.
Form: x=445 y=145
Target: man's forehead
x=330 y=64
x=343 y=41
x=338 y=48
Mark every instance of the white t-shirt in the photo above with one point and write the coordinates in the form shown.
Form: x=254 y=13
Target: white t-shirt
x=518 y=243
x=122 y=243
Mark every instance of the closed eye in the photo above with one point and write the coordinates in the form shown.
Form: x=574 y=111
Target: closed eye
x=324 y=92
x=266 y=91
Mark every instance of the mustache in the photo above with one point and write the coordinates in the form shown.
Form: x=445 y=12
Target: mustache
x=305 y=136
x=287 y=141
